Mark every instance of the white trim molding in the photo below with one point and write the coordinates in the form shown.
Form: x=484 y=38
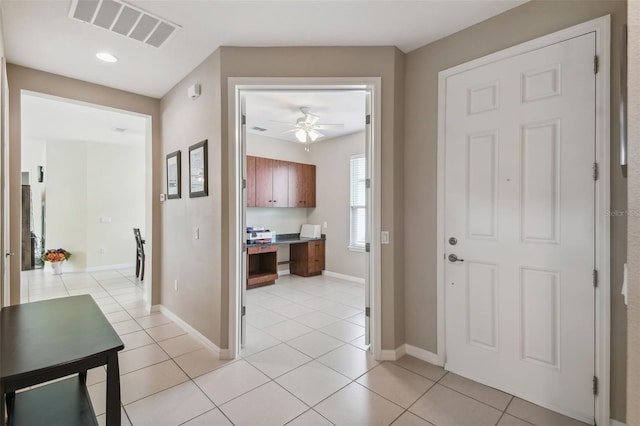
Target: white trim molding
x=392 y=354
x=613 y=422
x=343 y=277
x=220 y=353
x=110 y=267
x=422 y=354
x=602 y=29
x=236 y=88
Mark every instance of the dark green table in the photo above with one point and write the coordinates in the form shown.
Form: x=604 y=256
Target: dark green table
x=47 y=340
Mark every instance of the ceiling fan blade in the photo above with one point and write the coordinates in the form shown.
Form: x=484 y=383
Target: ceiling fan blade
x=328 y=126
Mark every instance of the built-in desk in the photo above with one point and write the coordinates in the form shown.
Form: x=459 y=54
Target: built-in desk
x=306 y=258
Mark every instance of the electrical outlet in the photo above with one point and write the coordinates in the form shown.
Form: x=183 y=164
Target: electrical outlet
x=324 y=225
x=103 y=250
x=175 y=285
x=163 y=197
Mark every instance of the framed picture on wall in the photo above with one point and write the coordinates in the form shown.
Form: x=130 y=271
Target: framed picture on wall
x=173 y=175
x=198 y=174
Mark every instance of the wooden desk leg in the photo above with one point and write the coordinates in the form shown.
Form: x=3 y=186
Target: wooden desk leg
x=113 y=390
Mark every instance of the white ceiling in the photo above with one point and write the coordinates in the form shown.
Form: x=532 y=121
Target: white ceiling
x=51 y=119
x=38 y=33
x=275 y=110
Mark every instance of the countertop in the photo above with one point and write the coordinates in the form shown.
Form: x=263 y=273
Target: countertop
x=288 y=239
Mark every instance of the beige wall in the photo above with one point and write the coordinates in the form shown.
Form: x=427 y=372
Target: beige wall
x=518 y=25
x=21 y=78
x=633 y=257
x=333 y=193
x=196 y=264
x=207 y=265
x=383 y=62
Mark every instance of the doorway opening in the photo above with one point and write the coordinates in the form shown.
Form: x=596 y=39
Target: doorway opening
x=84 y=170
x=340 y=297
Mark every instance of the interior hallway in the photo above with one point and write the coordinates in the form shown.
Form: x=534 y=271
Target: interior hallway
x=304 y=364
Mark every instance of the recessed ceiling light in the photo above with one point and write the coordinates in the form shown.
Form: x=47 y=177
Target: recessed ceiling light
x=106 y=56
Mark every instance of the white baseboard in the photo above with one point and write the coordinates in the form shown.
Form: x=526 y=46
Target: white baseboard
x=392 y=354
x=109 y=267
x=220 y=353
x=616 y=423
x=343 y=277
x=284 y=272
x=422 y=354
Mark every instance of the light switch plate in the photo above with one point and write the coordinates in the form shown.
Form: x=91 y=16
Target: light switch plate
x=384 y=237
x=163 y=197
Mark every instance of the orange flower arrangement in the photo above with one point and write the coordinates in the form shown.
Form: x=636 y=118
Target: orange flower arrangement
x=55 y=255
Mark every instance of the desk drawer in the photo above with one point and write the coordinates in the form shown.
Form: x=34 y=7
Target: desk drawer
x=262 y=249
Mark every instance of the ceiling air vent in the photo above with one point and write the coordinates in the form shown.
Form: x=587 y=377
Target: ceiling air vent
x=124 y=19
x=259 y=129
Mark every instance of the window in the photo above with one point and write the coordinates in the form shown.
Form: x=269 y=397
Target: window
x=358 y=205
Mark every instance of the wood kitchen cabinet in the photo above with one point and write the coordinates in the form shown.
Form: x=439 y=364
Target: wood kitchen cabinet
x=277 y=183
x=251 y=181
x=307 y=259
x=302 y=185
x=262 y=265
x=272 y=183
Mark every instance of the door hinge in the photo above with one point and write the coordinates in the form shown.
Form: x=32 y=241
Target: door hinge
x=595 y=278
x=244 y=310
x=596 y=64
x=595 y=385
x=367 y=311
x=596 y=171
x=244 y=119
x=367 y=247
x=244 y=184
x=367 y=183
x=367 y=120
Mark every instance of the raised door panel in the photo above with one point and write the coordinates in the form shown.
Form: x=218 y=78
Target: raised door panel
x=296 y=185
x=280 y=183
x=309 y=185
x=264 y=182
x=251 y=181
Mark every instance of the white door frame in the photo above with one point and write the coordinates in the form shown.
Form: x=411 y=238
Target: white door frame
x=602 y=28
x=236 y=235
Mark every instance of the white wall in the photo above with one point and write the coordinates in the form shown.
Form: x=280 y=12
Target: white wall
x=332 y=160
x=66 y=209
x=115 y=189
x=87 y=181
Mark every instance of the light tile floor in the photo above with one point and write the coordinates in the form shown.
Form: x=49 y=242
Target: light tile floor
x=304 y=364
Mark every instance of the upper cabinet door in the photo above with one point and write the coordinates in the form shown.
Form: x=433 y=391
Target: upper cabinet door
x=251 y=181
x=280 y=183
x=264 y=182
x=296 y=185
x=309 y=185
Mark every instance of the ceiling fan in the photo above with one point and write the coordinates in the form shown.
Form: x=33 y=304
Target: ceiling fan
x=306 y=127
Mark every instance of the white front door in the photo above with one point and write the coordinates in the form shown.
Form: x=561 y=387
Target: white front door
x=519 y=202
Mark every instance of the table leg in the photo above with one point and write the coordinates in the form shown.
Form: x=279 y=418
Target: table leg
x=2 y=421
x=10 y=398
x=113 y=390
x=83 y=377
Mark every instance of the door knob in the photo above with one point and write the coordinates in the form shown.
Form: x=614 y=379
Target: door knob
x=453 y=258
x=8 y=253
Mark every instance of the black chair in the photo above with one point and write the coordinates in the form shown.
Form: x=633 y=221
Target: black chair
x=139 y=254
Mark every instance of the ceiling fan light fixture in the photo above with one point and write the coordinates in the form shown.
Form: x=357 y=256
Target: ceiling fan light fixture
x=301 y=135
